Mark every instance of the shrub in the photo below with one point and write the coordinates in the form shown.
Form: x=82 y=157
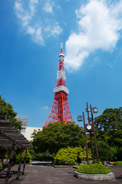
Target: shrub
x=93 y=169
x=118 y=163
x=28 y=157
x=65 y=155
x=70 y=155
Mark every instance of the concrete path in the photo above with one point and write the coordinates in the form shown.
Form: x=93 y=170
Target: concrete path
x=51 y=175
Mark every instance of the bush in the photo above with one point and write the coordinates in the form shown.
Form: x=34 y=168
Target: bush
x=70 y=155
x=28 y=157
x=64 y=155
x=118 y=163
x=93 y=169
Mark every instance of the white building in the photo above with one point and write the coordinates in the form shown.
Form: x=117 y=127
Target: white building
x=24 y=120
x=29 y=131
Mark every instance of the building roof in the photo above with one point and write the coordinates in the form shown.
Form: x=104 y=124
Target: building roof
x=10 y=135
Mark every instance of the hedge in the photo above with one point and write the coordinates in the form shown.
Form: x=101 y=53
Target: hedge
x=93 y=169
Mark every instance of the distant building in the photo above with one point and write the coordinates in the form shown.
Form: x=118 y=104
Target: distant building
x=24 y=120
x=27 y=131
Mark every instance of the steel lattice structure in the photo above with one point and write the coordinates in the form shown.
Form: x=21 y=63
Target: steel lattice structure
x=60 y=111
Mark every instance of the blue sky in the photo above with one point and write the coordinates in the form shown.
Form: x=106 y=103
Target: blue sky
x=30 y=34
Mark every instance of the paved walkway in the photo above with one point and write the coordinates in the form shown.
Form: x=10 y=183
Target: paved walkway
x=51 y=175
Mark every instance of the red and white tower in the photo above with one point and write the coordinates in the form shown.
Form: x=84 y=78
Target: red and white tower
x=60 y=111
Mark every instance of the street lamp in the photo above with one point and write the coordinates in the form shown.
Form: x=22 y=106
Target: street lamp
x=79 y=118
x=88 y=109
x=95 y=110
x=82 y=118
x=89 y=127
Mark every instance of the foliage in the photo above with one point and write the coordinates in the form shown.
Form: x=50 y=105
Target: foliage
x=83 y=154
x=118 y=163
x=28 y=156
x=104 y=150
x=93 y=169
x=3 y=152
x=119 y=153
x=7 y=109
x=1 y=166
x=70 y=155
x=56 y=136
x=109 y=127
x=113 y=153
x=43 y=156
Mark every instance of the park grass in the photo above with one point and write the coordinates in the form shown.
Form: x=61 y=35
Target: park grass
x=118 y=163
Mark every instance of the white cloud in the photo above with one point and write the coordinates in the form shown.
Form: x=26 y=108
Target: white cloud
x=45 y=107
x=30 y=30
x=18 y=6
x=36 y=34
x=48 y=7
x=56 y=30
x=98 y=26
x=24 y=15
x=32 y=6
x=38 y=27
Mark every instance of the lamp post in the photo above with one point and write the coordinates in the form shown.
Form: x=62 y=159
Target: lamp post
x=88 y=110
x=89 y=128
x=82 y=118
x=94 y=110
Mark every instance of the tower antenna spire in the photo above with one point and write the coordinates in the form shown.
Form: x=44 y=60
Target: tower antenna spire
x=61 y=46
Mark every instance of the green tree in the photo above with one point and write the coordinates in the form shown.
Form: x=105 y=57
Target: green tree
x=7 y=109
x=113 y=153
x=104 y=151
x=109 y=127
x=119 y=153
x=56 y=136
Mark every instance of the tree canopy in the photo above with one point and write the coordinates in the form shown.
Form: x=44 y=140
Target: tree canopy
x=56 y=136
x=109 y=127
x=7 y=109
x=104 y=150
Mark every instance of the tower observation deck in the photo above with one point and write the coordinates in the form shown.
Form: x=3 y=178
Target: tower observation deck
x=60 y=111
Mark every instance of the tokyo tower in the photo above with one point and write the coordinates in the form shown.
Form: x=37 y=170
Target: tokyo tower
x=60 y=111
